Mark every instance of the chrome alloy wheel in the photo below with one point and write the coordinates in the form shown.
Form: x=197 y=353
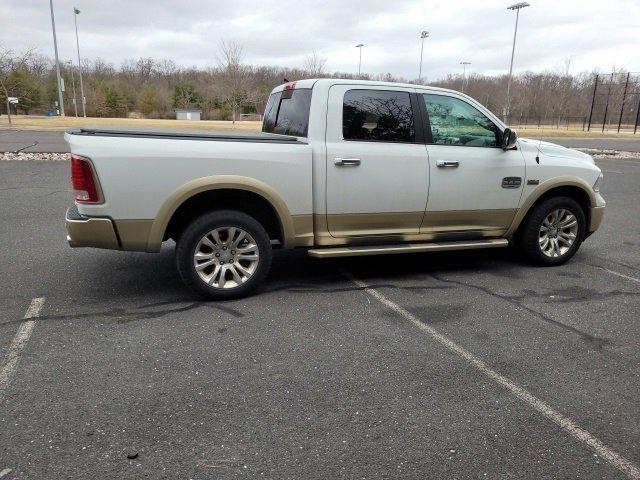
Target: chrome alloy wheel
x=226 y=257
x=558 y=232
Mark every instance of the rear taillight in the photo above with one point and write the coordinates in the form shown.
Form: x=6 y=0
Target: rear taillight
x=84 y=180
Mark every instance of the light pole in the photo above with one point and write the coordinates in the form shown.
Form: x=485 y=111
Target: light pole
x=464 y=73
x=55 y=48
x=73 y=86
x=360 y=45
x=423 y=35
x=76 y=12
x=516 y=7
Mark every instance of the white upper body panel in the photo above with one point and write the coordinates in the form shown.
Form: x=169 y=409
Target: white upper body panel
x=137 y=175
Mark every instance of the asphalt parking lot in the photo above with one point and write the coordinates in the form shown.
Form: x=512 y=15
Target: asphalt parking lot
x=458 y=365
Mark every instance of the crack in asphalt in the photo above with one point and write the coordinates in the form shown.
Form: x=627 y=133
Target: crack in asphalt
x=572 y=294
x=597 y=342
x=124 y=315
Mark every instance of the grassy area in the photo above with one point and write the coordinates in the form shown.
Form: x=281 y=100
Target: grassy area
x=28 y=122
x=552 y=132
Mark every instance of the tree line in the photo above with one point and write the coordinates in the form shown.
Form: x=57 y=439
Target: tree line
x=153 y=88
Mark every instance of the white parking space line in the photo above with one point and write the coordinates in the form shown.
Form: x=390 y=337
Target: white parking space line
x=17 y=345
x=618 y=461
x=618 y=274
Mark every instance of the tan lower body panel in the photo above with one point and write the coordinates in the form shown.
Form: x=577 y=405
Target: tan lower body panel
x=364 y=224
x=359 y=228
x=402 y=227
x=92 y=232
x=462 y=220
x=303 y=230
x=134 y=235
x=407 y=248
x=595 y=218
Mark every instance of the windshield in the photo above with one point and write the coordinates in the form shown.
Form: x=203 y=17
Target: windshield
x=287 y=112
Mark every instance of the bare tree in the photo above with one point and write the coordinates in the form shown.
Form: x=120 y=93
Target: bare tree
x=235 y=82
x=315 y=65
x=9 y=62
x=5 y=60
x=232 y=84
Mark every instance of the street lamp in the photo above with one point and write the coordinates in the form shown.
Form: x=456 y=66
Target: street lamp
x=360 y=45
x=73 y=86
x=76 y=12
x=55 y=49
x=464 y=73
x=516 y=7
x=423 y=35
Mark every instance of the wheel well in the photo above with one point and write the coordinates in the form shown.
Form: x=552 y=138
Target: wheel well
x=244 y=201
x=573 y=192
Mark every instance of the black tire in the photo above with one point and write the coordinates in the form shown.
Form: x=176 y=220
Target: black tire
x=197 y=229
x=528 y=235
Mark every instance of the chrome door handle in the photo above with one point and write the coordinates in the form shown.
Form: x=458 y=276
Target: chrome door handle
x=343 y=162
x=447 y=164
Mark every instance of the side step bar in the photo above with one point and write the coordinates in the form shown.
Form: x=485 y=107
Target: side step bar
x=407 y=248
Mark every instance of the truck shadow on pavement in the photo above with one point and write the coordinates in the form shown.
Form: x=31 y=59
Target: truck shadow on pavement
x=133 y=277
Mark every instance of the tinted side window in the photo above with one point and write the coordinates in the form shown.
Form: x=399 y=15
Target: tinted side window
x=455 y=122
x=270 y=112
x=377 y=115
x=287 y=112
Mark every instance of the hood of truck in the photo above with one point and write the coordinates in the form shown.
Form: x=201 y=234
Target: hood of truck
x=549 y=149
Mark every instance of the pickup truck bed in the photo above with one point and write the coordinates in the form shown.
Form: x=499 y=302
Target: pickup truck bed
x=145 y=176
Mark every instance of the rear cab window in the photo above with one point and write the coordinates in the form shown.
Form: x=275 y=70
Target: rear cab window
x=287 y=112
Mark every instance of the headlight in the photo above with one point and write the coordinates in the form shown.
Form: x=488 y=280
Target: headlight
x=598 y=184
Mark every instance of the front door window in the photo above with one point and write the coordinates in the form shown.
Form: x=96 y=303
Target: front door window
x=455 y=122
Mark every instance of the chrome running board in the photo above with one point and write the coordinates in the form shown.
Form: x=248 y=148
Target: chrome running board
x=407 y=248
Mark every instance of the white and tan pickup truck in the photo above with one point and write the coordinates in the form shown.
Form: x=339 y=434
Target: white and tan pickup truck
x=342 y=168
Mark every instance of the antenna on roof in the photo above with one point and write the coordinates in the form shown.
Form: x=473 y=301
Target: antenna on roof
x=286 y=80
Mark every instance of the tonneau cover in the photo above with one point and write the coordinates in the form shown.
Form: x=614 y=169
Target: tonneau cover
x=259 y=137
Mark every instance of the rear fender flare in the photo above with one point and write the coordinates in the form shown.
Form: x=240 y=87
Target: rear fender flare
x=216 y=182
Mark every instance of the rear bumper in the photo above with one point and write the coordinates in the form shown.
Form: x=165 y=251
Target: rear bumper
x=595 y=218
x=90 y=231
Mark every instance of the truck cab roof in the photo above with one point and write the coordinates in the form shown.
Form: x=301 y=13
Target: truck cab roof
x=328 y=82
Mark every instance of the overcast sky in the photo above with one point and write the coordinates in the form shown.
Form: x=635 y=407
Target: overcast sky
x=595 y=34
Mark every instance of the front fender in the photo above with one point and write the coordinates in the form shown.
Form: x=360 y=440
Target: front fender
x=545 y=187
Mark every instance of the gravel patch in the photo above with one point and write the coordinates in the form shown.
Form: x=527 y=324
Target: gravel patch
x=40 y=157
x=599 y=154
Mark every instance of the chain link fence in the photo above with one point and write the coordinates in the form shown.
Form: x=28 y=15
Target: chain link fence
x=614 y=106
x=548 y=123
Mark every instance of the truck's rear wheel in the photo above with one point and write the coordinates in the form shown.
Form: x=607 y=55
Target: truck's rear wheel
x=553 y=231
x=224 y=254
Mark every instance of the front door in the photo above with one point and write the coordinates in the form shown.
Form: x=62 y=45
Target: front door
x=475 y=185
x=377 y=165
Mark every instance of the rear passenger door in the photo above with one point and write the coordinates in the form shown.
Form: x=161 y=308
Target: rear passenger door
x=475 y=184
x=377 y=166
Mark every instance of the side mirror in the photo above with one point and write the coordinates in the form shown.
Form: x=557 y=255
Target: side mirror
x=509 y=138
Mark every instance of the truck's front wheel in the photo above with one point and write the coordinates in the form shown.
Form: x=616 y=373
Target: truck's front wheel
x=553 y=231
x=223 y=254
